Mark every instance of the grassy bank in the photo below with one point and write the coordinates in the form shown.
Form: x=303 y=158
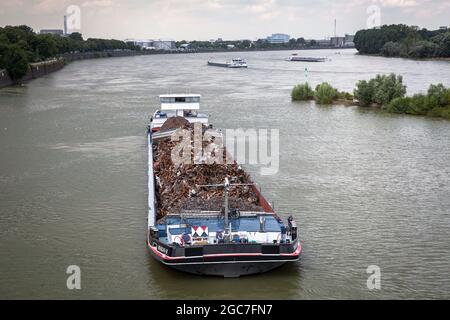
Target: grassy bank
x=385 y=91
x=323 y=94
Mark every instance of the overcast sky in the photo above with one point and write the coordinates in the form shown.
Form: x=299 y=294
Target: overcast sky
x=227 y=19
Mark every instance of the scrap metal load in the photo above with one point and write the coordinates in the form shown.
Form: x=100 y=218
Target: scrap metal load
x=181 y=187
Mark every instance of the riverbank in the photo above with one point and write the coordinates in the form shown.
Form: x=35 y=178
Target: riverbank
x=40 y=69
x=35 y=70
x=399 y=57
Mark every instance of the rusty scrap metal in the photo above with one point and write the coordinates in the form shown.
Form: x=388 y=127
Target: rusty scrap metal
x=178 y=187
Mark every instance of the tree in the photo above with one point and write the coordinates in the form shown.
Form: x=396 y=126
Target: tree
x=402 y=40
x=76 y=36
x=439 y=95
x=364 y=93
x=301 y=42
x=380 y=90
x=292 y=43
x=423 y=49
x=14 y=60
x=391 y=49
x=302 y=92
x=325 y=93
x=443 y=41
x=387 y=88
x=46 y=46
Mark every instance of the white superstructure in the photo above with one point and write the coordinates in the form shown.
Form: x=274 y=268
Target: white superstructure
x=178 y=105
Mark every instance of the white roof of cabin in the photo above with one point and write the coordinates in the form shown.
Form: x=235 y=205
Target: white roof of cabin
x=175 y=95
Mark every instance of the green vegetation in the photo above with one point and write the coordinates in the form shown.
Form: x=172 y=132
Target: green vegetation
x=325 y=93
x=436 y=103
x=20 y=46
x=386 y=91
x=302 y=92
x=403 y=41
x=13 y=59
x=380 y=90
x=260 y=44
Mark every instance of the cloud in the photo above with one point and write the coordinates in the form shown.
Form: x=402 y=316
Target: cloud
x=399 y=3
x=97 y=3
x=49 y=6
x=228 y=19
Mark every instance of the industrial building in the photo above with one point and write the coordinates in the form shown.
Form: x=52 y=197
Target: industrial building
x=58 y=32
x=160 y=44
x=278 y=38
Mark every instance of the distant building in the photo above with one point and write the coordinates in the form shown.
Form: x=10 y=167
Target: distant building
x=58 y=32
x=143 y=43
x=443 y=28
x=164 y=44
x=337 y=42
x=323 y=43
x=160 y=44
x=349 y=41
x=278 y=38
x=230 y=46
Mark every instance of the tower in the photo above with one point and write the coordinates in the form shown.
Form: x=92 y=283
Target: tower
x=335 y=28
x=65 y=25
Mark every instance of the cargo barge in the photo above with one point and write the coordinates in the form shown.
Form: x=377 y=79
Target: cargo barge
x=235 y=63
x=295 y=57
x=208 y=219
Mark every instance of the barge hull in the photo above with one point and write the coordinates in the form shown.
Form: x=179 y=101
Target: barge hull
x=229 y=270
x=218 y=64
x=224 y=265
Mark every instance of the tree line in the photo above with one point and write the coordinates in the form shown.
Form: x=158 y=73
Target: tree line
x=261 y=44
x=404 y=41
x=20 y=46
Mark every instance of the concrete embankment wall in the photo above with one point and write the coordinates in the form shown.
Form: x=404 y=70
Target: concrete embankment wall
x=41 y=69
x=69 y=57
x=35 y=70
x=5 y=79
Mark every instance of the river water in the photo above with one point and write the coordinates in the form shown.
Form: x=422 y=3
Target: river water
x=366 y=187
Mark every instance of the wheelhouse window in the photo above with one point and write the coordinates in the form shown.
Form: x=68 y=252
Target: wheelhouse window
x=180 y=100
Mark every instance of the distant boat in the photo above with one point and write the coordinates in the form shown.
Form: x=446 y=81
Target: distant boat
x=234 y=63
x=295 y=57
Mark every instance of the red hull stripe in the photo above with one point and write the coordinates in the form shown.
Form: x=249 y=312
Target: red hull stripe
x=166 y=257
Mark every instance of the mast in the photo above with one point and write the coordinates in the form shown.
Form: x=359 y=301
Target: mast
x=226 y=185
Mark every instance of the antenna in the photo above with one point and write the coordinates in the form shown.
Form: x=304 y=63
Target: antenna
x=226 y=185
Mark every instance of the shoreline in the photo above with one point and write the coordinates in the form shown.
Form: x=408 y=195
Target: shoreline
x=40 y=69
x=447 y=59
